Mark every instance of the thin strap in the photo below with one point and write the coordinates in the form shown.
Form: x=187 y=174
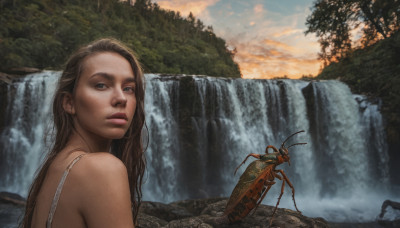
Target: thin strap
x=58 y=191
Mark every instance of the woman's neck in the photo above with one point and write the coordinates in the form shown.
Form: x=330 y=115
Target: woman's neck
x=89 y=143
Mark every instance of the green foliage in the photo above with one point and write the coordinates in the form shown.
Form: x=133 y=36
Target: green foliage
x=334 y=20
x=43 y=33
x=374 y=71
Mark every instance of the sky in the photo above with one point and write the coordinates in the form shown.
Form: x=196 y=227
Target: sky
x=267 y=34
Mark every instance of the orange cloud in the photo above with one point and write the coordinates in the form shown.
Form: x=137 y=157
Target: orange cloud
x=287 y=32
x=269 y=59
x=259 y=8
x=268 y=68
x=278 y=44
x=285 y=52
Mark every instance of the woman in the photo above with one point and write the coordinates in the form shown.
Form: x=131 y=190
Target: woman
x=93 y=175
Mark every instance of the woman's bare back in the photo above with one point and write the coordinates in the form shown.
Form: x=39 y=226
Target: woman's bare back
x=92 y=179
x=67 y=209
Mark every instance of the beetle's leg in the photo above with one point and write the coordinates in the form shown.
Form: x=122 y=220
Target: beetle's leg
x=290 y=185
x=278 y=176
x=253 y=155
x=269 y=185
x=273 y=148
x=279 y=198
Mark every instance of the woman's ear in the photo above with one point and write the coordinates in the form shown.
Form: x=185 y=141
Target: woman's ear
x=68 y=104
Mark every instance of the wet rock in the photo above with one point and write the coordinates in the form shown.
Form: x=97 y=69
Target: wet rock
x=208 y=213
x=22 y=70
x=11 y=209
x=145 y=220
x=390 y=214
x=167 y=212
x=5 y=78
x=203 y=213
x=12 y=198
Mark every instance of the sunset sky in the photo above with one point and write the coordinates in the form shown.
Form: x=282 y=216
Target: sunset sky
x=268 y=34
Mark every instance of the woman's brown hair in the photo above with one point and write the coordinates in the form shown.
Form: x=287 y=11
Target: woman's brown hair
x=129 y=148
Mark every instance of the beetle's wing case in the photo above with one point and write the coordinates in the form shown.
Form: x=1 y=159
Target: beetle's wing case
x=246 y=181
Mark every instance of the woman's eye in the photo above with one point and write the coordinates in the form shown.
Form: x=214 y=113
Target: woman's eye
x=129 y=89
x=100 y=86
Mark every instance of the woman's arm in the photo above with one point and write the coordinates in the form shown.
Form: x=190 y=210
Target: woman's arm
x=105 y=199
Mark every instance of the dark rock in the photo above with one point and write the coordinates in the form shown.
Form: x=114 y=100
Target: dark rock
x=10 y=214
x=12 y=198
x=386 y=222
x=167 y=212
x=5 y=78
x=197 y=206
x=8 y=78
x=201 y=213
x=355 y=225
x=23 y=70
x=145 y=220
x=209 y=213
x=389 y=224
x=11 y=209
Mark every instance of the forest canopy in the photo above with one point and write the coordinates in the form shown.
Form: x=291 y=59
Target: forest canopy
x=43 y=33
x=333 y=21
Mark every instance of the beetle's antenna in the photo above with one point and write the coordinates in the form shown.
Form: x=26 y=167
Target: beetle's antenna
x=290 y=137
x=296 y=144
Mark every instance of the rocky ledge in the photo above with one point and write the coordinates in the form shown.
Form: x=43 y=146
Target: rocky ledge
x=188 y=213
x=207 y=213
x=7 y=76
x=202 y=213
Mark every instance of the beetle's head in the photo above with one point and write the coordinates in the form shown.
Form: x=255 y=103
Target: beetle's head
x=285 y=151
x=285 y=154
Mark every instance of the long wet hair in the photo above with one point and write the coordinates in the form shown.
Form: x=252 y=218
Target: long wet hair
x=129 y=148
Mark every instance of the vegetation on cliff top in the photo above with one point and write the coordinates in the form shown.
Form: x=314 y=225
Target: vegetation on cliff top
x=335 y=21
x=43 y=33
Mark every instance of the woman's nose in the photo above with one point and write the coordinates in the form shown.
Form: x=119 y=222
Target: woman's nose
x=119 y=98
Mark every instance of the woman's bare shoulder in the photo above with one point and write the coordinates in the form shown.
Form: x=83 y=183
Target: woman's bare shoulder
x=102 y=160
x=101 y=167
x=103 y=182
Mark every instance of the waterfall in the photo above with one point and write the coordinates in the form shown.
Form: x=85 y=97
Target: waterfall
x=27 y=122
x=201 y=128
x=162 y=169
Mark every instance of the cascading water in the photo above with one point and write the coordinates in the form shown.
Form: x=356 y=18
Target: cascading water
x=162 y=171
x=27 y=122
x=201 y=128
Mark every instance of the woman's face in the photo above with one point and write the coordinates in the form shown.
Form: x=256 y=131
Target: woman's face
x=104 y=102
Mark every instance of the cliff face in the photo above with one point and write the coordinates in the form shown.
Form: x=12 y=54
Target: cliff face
x=5 y=80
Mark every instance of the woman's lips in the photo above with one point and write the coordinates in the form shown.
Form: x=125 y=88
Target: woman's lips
x=118 y=118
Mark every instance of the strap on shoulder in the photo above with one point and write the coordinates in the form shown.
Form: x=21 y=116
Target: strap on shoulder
x=58 y=191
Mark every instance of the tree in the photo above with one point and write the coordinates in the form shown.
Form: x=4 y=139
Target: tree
x=334 y=20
